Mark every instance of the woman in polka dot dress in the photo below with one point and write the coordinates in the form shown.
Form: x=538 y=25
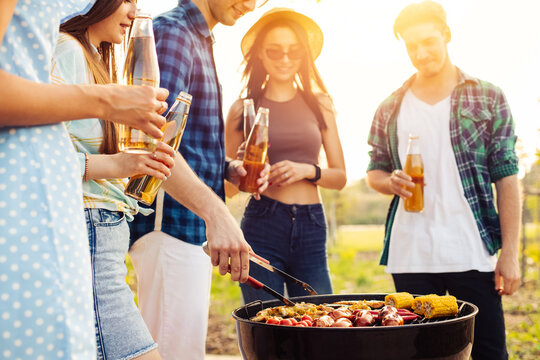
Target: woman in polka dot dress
x=45 y=279
x=85 y=54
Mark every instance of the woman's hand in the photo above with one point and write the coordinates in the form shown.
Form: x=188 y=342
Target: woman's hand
x=157 y=164
x=237 y=171
x=288 y=172
x=137 y=106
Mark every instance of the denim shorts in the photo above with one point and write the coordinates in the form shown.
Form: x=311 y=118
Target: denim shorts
x=293 y=239
x=120 y=330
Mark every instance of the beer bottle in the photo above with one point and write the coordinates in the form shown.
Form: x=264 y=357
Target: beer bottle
x=140 y=68
x=144 y=187
x=255 y=153
x=414 y=167
x=249 y=117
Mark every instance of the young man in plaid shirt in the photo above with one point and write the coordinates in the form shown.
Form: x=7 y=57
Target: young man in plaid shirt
x=173 y=271
x=466 y=138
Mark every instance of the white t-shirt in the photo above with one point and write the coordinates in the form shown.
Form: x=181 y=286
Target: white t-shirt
x=444 y=237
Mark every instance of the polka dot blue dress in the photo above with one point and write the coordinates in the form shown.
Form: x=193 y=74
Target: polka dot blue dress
x=45 y=279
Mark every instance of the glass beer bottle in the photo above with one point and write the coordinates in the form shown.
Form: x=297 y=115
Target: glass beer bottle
x=414 y=167
x=255 y=153
x=249 y=117
x=144 y=187
x=140 y=68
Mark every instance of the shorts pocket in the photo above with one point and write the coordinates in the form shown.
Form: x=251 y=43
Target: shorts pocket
x=110 y=218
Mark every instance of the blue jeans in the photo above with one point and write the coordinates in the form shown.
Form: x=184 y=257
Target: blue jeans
x=293 y=239
x=120 y=330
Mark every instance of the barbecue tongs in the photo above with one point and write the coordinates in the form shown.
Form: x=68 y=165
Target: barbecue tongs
x=266 y=264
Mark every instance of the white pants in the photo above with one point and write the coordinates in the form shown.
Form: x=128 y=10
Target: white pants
x=174 y=293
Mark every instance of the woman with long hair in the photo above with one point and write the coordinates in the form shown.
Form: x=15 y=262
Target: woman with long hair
x=280 y=74
x=85 y=54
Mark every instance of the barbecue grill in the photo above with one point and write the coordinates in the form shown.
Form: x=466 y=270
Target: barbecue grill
x=445 y=338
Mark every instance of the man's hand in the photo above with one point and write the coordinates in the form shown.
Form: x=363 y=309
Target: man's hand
x=226 y=241
x=398 y=183
x=137 y=106
x=507 y=273
x=237 y=171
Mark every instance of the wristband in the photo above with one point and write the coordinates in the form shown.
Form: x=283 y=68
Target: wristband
x=317 y=174
x=85 y=175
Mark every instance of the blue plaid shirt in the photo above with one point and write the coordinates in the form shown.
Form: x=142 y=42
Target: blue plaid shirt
x=186 y=62
x=483 y=140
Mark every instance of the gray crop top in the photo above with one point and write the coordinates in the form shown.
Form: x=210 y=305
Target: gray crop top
x=293 y=131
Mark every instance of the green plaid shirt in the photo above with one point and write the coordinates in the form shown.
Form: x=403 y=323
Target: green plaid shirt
x=483 y=140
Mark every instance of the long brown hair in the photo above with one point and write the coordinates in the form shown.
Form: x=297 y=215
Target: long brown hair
x=103 y=67
x=254 y=75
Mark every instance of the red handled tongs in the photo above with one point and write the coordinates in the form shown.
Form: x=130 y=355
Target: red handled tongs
x=256 y=284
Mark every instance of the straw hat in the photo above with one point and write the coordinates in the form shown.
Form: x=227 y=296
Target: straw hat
x=313 y=31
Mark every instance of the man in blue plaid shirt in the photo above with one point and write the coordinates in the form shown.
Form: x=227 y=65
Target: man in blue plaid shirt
x=466 y=138
x=173 y=272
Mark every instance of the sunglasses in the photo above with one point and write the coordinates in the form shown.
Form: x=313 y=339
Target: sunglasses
x=277 y=54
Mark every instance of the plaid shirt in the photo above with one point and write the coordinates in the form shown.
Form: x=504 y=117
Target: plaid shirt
x=186 y=62
x=483 y=140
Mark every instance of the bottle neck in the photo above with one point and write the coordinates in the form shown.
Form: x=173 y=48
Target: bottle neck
x=413 y=148
x=262 y=117
x=142 y=27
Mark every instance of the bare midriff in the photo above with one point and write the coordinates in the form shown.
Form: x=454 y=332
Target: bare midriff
x=302 y=193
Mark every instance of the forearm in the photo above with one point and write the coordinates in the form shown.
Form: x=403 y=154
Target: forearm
x=379 y=180
x=102 y=166
x=331 y=178
x=509 y=207
x=24 y=102
x=186 y=188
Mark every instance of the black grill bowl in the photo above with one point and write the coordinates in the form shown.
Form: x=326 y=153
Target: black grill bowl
x=443 y=339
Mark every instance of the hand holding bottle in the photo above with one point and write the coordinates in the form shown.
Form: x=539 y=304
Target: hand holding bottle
x=399 y=183
x=236 y=172
x=157 y=164
x=137 y=106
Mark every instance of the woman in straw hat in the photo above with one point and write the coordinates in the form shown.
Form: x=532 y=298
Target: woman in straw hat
x=280 y=74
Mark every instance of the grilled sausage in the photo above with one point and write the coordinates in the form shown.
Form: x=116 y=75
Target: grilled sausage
x=392 y=320
x=342 y=322
x=323 y=321
x=387 y=309
x=364 y=318
x=340 y=313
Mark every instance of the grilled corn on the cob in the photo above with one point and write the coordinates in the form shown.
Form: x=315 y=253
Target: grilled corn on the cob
x=440 y=306
x=402 y=300
x=418 y=303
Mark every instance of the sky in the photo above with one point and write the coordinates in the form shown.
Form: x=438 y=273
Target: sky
x=362 y=62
